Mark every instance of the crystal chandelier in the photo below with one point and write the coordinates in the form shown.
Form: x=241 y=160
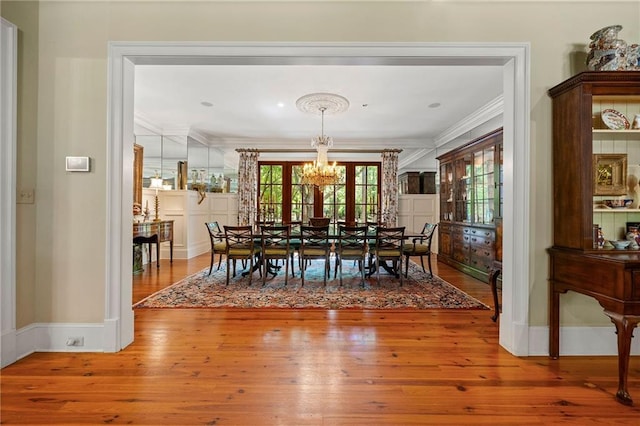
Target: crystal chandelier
x=320 y=173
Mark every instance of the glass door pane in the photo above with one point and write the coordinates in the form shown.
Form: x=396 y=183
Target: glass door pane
x=334 y=197
x=302 y=196
x=446 y=192
x=270 y=197
x=366 y=194
x=464 y=192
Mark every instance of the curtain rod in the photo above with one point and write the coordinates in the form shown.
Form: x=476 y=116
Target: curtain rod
x=354 y=151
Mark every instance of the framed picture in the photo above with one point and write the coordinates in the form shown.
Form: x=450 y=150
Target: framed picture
x=77 y=164
x=609 y=174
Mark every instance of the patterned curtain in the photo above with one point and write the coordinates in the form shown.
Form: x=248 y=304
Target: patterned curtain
x=389 y=190
x=247 y=186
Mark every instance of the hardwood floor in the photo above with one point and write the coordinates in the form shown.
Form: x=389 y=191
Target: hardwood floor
x=296 y=367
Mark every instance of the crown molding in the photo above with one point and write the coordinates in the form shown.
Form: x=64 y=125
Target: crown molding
x=491 y=110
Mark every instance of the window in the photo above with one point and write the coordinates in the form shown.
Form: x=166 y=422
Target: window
x=355 y=198
x=270 y=192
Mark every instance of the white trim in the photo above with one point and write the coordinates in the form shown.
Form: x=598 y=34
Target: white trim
x=53 y=337
x=491 y=110
x=577 y=341
x=513 y=56
x=517 y=188
x=8 y=144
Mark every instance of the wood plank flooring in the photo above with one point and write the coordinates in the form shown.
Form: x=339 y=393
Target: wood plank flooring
x=312 y=367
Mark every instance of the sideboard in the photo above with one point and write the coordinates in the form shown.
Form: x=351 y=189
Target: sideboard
x=154 y=233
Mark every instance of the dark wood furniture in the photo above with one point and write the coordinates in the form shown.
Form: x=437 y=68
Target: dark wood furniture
x=420 y=246
x=218 y=243
x=315 y=245
x=240 y=246
x=275 y=246
x=351 y=245
x=612 y=277
x=154 y=233
x=471 y=205
x=389 y=246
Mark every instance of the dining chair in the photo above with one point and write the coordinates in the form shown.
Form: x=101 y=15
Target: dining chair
x=389 y=247
x=319 y=221
x=218 y=243
x=240 y=246
x=315 y=245
x=294 y=237
x=352 y=245
x=275 y=246
x=420 y=246
x=260 y=223
x=371 y=240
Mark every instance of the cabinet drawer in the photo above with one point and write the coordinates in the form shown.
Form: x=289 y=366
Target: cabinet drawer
x=481 y=262
x=462 y=256
x=482 y=243
x=482 y=252
x=461 y=245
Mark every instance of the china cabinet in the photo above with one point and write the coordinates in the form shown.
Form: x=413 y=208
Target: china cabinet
x=471 y=205
x=594 y=157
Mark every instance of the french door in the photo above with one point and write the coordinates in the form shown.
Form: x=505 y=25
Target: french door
x=355 y=198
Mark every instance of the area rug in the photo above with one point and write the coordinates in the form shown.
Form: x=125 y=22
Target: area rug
x=419 y=291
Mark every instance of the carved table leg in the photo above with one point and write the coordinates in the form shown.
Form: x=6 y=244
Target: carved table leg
x=494 y=273
x=624 y=329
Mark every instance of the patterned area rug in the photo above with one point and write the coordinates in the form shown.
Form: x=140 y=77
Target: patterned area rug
x=419 y=291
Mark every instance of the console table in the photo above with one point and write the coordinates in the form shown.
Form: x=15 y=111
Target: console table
x=154 y=233
x=613 y=279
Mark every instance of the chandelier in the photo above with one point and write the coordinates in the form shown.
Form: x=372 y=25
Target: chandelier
x=320 y=173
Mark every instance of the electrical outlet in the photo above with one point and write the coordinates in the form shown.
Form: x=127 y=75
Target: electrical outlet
x=25 y=196
x=75 y=341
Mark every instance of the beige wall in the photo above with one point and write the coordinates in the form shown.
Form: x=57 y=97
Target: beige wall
x=61 y=272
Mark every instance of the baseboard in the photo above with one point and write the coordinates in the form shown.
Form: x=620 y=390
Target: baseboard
x=53 y=337
x=8 y=354
x=588 y=341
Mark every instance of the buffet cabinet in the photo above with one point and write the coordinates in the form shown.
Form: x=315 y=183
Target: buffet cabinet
x=593 y=145
x=471 y=205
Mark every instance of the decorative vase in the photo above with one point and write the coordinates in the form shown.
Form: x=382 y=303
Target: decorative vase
x=607 y=52
x=636 y=122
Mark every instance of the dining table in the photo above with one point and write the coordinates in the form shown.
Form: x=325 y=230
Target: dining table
x=333 y=237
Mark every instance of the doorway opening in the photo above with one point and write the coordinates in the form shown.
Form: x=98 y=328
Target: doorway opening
x=513 y=58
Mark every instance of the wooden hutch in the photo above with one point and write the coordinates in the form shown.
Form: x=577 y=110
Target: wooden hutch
x=589 y=165
x=470 y=237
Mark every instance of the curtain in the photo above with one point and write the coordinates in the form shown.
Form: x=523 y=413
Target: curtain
x=247 y=186
x=389 y=190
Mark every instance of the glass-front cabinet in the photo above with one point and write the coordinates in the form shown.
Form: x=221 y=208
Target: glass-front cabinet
x=471 y=205
x=596 y=166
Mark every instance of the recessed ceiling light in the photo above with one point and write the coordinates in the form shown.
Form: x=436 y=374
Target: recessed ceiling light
x=207 y=104
x=281 y=104
x=434 y=105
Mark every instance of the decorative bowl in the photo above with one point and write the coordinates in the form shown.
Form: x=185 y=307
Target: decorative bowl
x=621 y=244
x=618 y=204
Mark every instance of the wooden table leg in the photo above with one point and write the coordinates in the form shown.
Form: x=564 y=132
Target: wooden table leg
x=624 y=329
x=494 y=273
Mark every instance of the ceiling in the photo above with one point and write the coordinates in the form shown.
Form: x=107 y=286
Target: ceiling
x=412 y=107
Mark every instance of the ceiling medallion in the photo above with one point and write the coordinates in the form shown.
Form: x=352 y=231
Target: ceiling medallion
x=314 y=102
